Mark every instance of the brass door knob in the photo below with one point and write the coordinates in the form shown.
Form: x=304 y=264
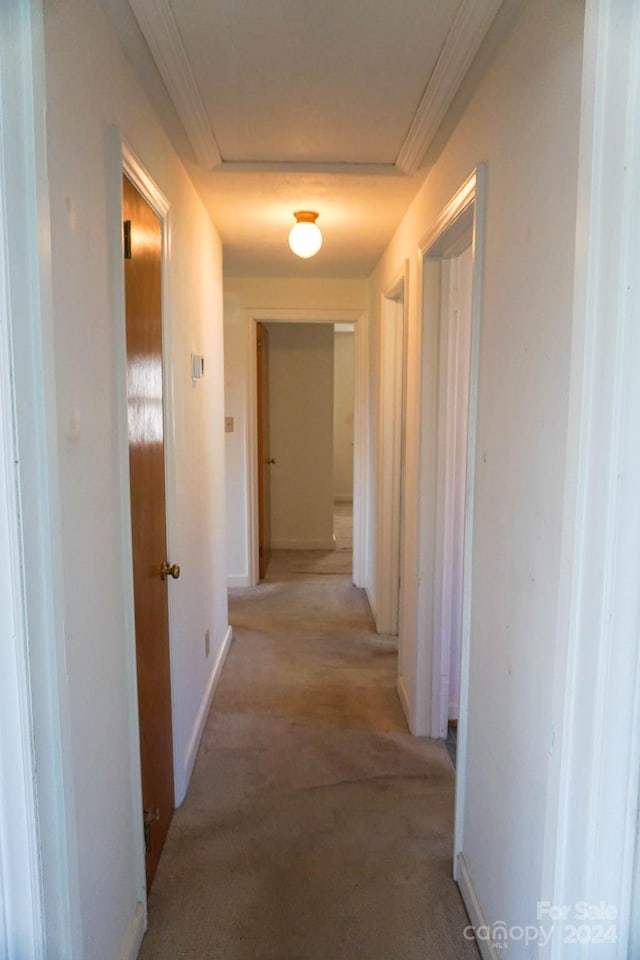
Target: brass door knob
x=272 y=460
x=170 y=570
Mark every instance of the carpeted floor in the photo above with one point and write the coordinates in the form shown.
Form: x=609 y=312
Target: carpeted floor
x=315 y=827
x=287 y=564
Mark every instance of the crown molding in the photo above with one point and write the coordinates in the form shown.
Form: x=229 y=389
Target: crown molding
x=470 y=25
x=158 y=25
x=160 y=30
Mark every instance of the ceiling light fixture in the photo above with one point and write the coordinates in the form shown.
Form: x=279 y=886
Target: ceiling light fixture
x=305 y=238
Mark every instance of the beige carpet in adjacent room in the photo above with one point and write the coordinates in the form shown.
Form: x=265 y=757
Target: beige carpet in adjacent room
x=315 y=827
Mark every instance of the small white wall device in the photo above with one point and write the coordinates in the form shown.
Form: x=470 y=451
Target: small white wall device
x=197 y=366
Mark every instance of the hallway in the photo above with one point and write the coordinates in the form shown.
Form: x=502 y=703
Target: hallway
x=314 y=826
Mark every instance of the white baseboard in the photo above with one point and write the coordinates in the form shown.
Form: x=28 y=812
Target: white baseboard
x=477 y=917
x=303 y=544
x=135 y=932
x=238 y=580
x=203 y=713
x=372 y=606
x=403 y=695
x=343 y=498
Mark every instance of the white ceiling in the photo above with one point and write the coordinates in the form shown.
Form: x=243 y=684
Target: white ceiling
x=282 y=105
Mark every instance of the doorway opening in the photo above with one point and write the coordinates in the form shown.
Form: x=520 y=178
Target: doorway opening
x=436 y=677
x=315 y=515
x=305 y=448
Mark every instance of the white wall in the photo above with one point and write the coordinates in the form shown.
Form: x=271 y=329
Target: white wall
x=343 y=370
x=241 y=296
x=301 y=435
x=90 y=86
x=522 y=122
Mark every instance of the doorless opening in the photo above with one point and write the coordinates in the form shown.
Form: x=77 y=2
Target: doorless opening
x=310 y=318
x=451 y=278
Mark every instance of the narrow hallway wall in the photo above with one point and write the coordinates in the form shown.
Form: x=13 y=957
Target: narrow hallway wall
x=522 y=121
x=91 y=87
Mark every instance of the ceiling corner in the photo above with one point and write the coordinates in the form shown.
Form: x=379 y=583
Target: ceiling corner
x=471 y=23
x=160 y=30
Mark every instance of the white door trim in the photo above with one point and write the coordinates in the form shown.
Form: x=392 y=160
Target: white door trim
x=419 y=699
x=595 y=740
x=21 y=902
x=38 y=840
x=360 y=504
x=391 y=401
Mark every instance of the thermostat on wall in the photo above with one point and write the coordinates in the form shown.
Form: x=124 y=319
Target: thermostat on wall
x=197 y=366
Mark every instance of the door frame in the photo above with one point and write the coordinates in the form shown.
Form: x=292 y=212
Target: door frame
x=594 y=753
x=392 y=405
x=448 y=511
x=38 y=841
x=420 y=693
x=360 y=460
x=125 y=161
x=20 y=891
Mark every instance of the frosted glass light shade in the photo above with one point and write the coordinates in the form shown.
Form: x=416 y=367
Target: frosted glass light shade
x=305 y=238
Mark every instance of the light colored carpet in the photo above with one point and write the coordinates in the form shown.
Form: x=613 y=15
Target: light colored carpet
x=315 y=827
x=287 y=564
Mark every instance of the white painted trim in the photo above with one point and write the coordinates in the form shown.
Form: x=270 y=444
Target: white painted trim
x=425 y=688
x=453 y=383
x=360 y=490
x=403 y=694
x=323 y=545
x=157 y=22
x=371 y=602
x=134 y=934
x=393 y=328
x=470 y=25
x=461 y=200
x=361 y=448
x=198 y=728
x=21 y=895
x=479 y=221
x=30 y=342
x=238 y=580
x=593 y=796
x=477 y=918
x=306 y=315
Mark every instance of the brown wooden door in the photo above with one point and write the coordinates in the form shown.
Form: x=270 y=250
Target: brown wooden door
x=143 y=284
x=264 y=455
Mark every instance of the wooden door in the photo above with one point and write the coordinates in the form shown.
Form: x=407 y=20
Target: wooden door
x=264 y=454
x=143 y=284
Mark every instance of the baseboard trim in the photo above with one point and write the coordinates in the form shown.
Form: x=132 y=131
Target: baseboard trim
x=237 y=580
x=303 y=544
x=134 y=934
x=372 y=605
x=203 y=712
x=477 y=917
x=403 y=696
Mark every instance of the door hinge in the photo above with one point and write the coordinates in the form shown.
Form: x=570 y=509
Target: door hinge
x=127 y=239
